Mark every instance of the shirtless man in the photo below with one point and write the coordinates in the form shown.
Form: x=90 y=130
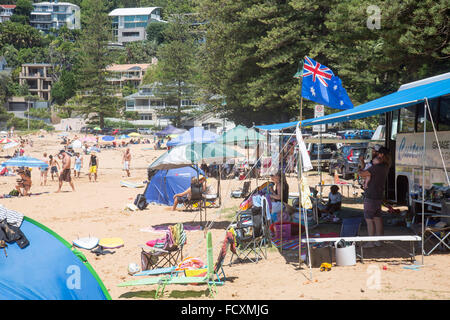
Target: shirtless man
x=126 y=161
x=65 y=172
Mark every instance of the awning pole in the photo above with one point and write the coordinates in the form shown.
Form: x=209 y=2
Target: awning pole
x=423 y=175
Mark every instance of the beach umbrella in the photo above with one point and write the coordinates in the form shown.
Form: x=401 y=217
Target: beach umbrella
x=3 y=132
x=88 y=139
x=64 y=134
x=6 y=140
x=134 y=134
x=124 y=136
x=189 y=154
x=97 y=128
x=76 y=144
x=10 y=145
x=25 y=162
x=194 y=135
x=108 y=138
x=169 y=130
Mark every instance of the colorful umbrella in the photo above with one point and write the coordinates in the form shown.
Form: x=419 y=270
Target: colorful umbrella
x=88 y=139
x=6 y=140
x=10 y=145
x=76 y=144
x=25 y=162
x=134 y=134
x=124 y=136
x=97 y=128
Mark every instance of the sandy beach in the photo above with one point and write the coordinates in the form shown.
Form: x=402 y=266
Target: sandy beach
x=98 y=209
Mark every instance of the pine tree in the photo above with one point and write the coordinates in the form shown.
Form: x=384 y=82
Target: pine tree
x=97 y=96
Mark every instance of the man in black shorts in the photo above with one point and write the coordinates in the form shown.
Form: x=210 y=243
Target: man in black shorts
x=374 y=194
x=65 y=172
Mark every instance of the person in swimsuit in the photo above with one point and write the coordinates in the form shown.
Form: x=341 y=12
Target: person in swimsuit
x=78 y=165
x=54 y=166
x=65 y=174
x=93 y=166
x=24 y=183
x=44 y=171
x=126 y=161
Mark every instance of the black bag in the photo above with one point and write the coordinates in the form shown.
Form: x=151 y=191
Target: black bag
x=141 y=202
x=13 y=234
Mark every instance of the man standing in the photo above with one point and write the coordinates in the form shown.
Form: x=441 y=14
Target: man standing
x=126 y=161
x=93 y=166
x=65 y=172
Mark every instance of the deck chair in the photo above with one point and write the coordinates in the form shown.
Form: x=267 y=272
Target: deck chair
x=162 y=282
x=197 y=200
x=166 y=253
x=252 y=235
x=242 y=193
x=440 y=233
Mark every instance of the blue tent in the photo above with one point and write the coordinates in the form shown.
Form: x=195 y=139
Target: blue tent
x=47 y=269
x=170 y=130
x=166 y=183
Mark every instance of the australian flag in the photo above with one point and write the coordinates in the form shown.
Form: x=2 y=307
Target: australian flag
x=322 y=86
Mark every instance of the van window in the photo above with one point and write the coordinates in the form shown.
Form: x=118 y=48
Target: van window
x=394 y=126
x=434 y=113
x=407 y=119
x=444 y=114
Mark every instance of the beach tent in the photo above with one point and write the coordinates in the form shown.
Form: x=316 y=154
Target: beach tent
x=166 y=183
x=108 y=138
x=47 y=269
x=189 y=154
x=194 y=135
x=169 y=130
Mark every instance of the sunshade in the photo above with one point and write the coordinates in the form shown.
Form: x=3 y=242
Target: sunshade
x=391 y=102
x=124 y=136
x=241 y=134
x=63 y=134
x=194 y=135
x=170 y=130
x=10 y=145
x=134 y=134
x=184 y=155
x=88 y=139
x=6 y=140
x=76 y=144
x=97 y=128
x=25 y=162
x=108 y=138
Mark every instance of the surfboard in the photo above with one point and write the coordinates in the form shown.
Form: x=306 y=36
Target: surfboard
x=111 y=243
x=87 y=243
x=131 y=184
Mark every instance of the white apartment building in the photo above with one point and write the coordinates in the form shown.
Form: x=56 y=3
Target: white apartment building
x=130 y=24
x=6 y=11
x=54 y=15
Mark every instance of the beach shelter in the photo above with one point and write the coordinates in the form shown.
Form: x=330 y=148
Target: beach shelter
x=108 y=138
x=242 y=136
x=10 y=145
x=25 y=162
x=47 y=269
x=193 y=153
x=169 y=130
x=194 y=135
x=6 y=140
x=166 y=183
x=134 y=134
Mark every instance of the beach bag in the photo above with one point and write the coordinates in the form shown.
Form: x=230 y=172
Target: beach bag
x=141 y=202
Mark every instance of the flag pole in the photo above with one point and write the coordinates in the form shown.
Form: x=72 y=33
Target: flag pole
x=299 y=177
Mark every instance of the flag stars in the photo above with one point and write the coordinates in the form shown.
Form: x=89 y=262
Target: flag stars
x=335 y=87
x=313 y=92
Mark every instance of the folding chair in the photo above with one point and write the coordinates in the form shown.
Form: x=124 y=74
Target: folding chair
x=168 y=253
x=441 y=233
x=197 y=200
x=252 y=235
x=350 y=227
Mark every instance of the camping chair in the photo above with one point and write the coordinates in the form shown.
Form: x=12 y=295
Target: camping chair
x=242 y=193
x=165 y=253
x=439 y=232
x=252 y=235
x=162 y=282
x=196 y=200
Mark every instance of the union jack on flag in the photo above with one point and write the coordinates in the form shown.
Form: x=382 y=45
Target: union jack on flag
x=328 y=90
x=315 y=69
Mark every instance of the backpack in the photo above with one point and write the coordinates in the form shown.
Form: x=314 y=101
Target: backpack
x=141 y=202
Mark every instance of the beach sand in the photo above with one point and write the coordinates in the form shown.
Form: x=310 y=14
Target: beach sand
x=97 y=209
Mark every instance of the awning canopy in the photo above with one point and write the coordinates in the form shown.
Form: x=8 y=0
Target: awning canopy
x=391 y=102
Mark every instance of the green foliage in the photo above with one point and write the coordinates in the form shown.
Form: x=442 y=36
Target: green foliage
x=118 y=124
x=39 y=113
x=128 y=90
x=140 y=51
x=19 y=35
x=22 y=124
x=155 y=32
x=65 y=88
x=22 y=11
x=131 y=115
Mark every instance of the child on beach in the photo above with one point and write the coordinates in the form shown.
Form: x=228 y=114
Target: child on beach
x=44 y=171
x=374 y=161
x=24 y=183
x=334 y=203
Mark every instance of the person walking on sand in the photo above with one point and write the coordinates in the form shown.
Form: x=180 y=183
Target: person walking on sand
x=65 y=172
x=54 y=166
x=126 y=161
x=78 y=165
x=44 y=171
x=93 y=166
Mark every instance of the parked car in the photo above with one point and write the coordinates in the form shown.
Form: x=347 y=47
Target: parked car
x=346 y=160
x=144 y=131
x=366 y=134
x=87 y=130
x=326 y=152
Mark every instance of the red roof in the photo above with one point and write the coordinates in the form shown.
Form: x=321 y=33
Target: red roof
x=8 y=6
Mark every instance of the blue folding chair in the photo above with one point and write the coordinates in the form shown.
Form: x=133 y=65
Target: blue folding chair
x=350 y=227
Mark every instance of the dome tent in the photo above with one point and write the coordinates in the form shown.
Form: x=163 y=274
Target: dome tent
x=166 y=183
x=47 y=269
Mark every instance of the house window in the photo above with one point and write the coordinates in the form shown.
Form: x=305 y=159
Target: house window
x=130 y=34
